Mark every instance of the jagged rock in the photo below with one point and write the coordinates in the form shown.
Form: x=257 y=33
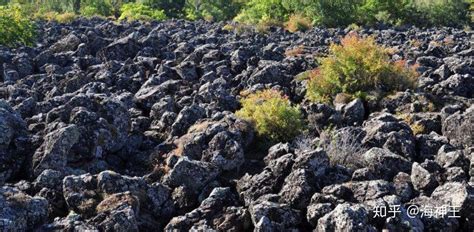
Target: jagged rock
x=307 y=171
x=448 y=157
x=187 y=117
x=422 y=180
x=13 y=142
x=80 y=193
x=68 y=43
x=428 y=145
x=403 y=186
x=271 y=216
x=353 y=112
x=72 y=222
x=385 y=164
x=224 y=152
x=345 y=217
x=458 y=128
x=217 y=212
x=187 y=71
x=53 y=153
x=192 y=174
x=18 y=211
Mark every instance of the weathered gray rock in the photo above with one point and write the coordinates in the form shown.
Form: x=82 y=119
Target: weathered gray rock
x=354 y=112
x=345 y=217
x=307 y=173
x=53 y=153
x=422 y=180
x=68 y=43
x=268 y=216
x=458 y=128
x=192 y=174
x=13 y=142
x=20 y=212
x=385 y=164
x=217 y=212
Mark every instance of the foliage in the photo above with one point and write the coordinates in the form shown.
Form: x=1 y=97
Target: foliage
x=172 y=8
x=66 y=17
x=257 y=11
x=15 y=27
x=384 y=11
x=96 y=8
x=214 y=10
x=272 y=114
x=331 y=13
x=138 y=11
x=298 y=22
x=355 y=67
x=443 y=12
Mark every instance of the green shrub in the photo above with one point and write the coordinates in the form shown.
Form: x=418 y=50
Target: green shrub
x=257 y=11
x=171 y=8
x=214 y=10
x=272 y=114
x=334 y=13
x=50 y=16
x=15 y=27
x=96 y=8
x=356 y=67
x=138 y=11
x=384 y=11
x=453 y=13
x=330 y=13
x=66 y=17
x=298 y=22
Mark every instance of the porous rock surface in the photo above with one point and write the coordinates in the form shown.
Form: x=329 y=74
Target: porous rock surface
x=131 y=127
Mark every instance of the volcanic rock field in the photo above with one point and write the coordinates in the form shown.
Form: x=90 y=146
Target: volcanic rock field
x=109 y=126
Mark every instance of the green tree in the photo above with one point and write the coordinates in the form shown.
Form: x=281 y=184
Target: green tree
x=172 y=8
x=257 y=11
x=218 y=10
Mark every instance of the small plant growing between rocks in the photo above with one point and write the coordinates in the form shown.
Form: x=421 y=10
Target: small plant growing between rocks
x=296 y=51
x=343 y=147
x=298 y=22
x=357 y=66
x=272 y=115
x=417 y=128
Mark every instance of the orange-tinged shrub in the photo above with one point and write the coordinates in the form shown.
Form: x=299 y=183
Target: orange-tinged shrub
x=357 y=66
x=298 y=22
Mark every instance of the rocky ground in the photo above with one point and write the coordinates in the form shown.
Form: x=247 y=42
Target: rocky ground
x=130 y=127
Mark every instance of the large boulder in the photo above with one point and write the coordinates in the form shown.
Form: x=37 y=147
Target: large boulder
x=13 y=142
x=459 y=128
x=21 y=212
x=345 y=217
x=53 y=153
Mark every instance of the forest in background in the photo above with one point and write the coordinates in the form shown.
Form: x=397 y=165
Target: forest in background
x=17 y=16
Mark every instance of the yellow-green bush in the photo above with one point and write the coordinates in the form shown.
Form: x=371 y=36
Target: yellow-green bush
x=298 y=22
x=355 y=67
x=15 y=27
x=272 y=114
x=66 y=17
x=138 y=11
